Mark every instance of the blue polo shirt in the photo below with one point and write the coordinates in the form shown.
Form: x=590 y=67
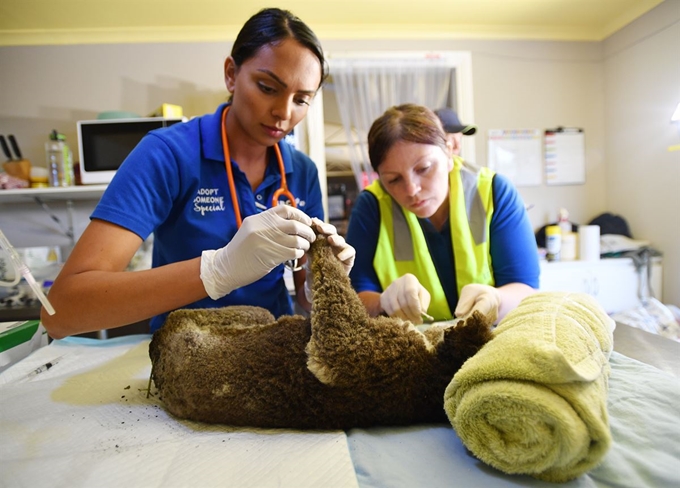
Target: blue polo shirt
x=174 y=185
x=512 y=245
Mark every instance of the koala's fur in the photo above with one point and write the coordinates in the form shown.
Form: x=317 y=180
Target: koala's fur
x=337 y=369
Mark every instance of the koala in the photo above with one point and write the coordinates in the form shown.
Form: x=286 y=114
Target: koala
x=339 y=368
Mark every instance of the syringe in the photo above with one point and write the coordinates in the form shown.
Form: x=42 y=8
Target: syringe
x=23 y=270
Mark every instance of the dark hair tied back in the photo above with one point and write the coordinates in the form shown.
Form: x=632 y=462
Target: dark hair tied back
x=272 y=25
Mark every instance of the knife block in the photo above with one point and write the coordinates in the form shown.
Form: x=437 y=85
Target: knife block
x=19 y=169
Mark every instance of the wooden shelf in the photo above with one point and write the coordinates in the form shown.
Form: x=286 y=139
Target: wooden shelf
x=82 y=192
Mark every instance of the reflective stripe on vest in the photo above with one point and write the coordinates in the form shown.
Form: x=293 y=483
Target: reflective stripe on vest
x=402 y=247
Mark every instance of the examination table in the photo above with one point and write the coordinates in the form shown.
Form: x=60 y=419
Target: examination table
x=87 y=421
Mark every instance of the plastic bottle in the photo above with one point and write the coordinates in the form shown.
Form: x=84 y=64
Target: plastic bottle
x=568 y=238
x=59 y=161
x=553 y=242
x=563 y=221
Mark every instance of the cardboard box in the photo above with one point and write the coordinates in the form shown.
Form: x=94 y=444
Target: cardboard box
x=19 y=339
x=168 y=111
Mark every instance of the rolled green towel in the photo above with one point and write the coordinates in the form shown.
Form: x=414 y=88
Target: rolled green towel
x=534 y=399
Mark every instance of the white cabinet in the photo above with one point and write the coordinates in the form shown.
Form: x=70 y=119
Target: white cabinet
x=615 y=283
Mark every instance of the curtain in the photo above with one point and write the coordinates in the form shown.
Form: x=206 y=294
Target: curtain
x=366 y=87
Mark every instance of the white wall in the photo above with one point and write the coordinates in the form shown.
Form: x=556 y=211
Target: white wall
x=642 y=81
x=517 y=84
x=51 y=87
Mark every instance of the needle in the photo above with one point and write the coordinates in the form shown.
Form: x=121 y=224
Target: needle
x=45 y=367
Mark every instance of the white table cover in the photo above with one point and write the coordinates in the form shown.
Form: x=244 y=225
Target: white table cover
x=87 y=422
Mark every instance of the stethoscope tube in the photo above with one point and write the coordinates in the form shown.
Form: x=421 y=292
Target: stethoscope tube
x=283 y=188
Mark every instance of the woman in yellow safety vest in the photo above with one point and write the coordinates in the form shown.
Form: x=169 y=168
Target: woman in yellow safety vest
x=433 y=234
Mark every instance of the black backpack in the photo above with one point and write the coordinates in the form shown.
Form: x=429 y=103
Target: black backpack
x=612 y=224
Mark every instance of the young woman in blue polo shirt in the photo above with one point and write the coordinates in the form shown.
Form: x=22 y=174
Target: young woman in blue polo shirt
x=434 y=234
x=227 y=200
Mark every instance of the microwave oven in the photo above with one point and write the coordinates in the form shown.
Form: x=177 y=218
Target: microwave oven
x=104 y=144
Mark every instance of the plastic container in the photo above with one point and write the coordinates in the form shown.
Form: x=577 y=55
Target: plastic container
x=569 y=247
x=39 y=177
x=553 y=242
x=59 y=161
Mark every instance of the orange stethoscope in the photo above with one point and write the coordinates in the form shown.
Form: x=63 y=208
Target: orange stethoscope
x=283 y=190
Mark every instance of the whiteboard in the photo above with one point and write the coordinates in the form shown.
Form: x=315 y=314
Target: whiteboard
x=516 y=154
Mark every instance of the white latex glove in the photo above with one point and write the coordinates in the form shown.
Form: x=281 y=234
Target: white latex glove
x=343 y=251
x=484 y=298
x=406 y=298
x=262 y=243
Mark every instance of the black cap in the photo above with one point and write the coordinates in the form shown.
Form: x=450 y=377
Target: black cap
x=452 y=124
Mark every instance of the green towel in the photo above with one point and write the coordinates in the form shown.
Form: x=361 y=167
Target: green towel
x=534 y=399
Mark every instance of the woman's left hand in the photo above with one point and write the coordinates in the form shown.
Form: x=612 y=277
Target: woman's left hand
x=483 y=298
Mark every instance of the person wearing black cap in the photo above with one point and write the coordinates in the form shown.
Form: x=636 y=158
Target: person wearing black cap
x=455 y=130
x=435 y=236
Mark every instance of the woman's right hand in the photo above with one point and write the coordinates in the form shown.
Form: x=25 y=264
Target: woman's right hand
x=406 y=298
x=263 y=242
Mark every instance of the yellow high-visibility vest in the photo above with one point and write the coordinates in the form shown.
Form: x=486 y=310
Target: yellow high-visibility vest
x=402 y=247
